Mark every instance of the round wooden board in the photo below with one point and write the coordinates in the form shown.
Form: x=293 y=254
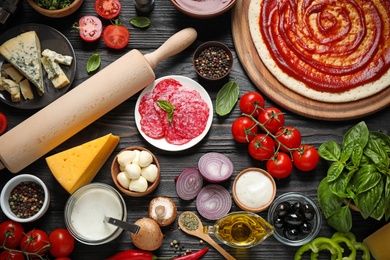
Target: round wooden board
x=285 y=97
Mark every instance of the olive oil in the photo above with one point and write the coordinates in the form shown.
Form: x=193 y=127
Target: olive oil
x=241 y=229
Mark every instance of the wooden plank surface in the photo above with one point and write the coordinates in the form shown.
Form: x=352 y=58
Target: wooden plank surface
x=282 y=95
x=166 y=20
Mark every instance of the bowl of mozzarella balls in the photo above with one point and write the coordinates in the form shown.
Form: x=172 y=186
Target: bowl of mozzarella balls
x=135 y=171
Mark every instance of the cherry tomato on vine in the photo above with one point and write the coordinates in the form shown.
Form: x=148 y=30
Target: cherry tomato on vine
x=3 y=123
x=9 y=255
x=116 y=36
x=90 y=28
x=289 y=137
x=251 y=103
x=280 y=166
x=272 y=119
x=244 y=129
x=306 y=158
x=262 y=147
x=62 y=242
x=108 y=9
x=35 y=241
x=11 y=233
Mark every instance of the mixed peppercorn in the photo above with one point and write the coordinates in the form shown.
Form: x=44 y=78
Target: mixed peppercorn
x=213 y=63
x=26 y=199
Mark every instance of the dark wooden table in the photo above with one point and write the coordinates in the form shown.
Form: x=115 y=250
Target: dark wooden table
x=166 y=20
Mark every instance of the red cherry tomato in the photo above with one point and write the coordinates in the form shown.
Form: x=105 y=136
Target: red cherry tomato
x=116 y=36
x=11 y=233
x=62 y=242
x=108 y=9
x=271 y=118
x=35 y=241
x=244 y=129
x=90 y=28
x=280 y=166
x=9 y=255
x=289 y=137
x=262 y=147
x=3 y=123
x=306 y=158
x=251 y=103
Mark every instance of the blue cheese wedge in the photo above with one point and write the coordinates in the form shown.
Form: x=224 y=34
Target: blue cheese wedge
x=55 y=73
x=12 y=87
x=24 y=53
x=14 y=74
x=57 y=57
x=25 y=89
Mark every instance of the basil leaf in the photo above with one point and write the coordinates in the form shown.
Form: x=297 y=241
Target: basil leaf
x=140 y=21
x=334 y=171
x=93 y=62
x=379 y=210
x=227 y=97
x=358 y=134
x=378 y=155
x=341 y=220
x=329 y=151
x=167 y=107
x=365 y=178
x=367 y=201
x=387 y=197
x=328 y=201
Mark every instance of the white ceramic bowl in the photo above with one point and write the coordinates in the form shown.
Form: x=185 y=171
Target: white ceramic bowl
x=6 y=192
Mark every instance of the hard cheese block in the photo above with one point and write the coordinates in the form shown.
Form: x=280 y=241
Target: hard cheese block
x=379 y=243
x=77 y=166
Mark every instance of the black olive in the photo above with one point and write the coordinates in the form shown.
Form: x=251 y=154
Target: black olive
x=278 y=222
x=298 y=207
x=291 y=233
x=306 y=227
x=308 y=211
x=282 y=208
x=294 y=219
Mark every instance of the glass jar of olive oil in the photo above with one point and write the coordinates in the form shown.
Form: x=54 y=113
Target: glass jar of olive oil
x=240 y=229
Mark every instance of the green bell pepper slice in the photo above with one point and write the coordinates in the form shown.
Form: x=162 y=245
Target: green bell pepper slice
x=318 y=244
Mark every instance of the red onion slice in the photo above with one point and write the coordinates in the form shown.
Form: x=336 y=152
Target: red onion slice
x=189 y=183
x=215 y=167
x=213 y=201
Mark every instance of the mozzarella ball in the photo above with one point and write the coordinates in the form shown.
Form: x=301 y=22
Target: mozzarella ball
x=139 y=185
x=133 y=171
x=145 y=158
x=126 y=157
x=149 y=172
x=123 y=180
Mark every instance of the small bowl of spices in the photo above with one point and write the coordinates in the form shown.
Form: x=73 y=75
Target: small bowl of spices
x=25 y=198
x=213 y=60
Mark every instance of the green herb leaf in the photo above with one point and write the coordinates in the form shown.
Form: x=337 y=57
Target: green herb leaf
x=93 y=62
x=140 y=21
x=227 y=97
x=328 y=201
x=341 y=220
x=329 y=151
x=167 y=107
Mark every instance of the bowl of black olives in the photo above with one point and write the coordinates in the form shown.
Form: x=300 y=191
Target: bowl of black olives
x=295 y=217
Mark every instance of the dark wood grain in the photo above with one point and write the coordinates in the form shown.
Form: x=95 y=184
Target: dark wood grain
x=166 y=20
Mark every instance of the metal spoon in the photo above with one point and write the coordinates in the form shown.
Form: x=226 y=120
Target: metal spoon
x=199 y=233
x=123 y=224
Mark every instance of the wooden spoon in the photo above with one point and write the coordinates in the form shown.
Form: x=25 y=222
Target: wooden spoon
x=199 y=233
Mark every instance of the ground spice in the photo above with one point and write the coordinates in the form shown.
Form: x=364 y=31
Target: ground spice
x=26 y=199
x=189 y=221
x=213 y=63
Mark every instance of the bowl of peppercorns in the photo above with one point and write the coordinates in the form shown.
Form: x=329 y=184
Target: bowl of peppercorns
x=213 y=60
x=25 y=198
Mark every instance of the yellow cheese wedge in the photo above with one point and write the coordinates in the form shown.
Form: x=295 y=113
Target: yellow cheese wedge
x=78 y=166
x=378 y=243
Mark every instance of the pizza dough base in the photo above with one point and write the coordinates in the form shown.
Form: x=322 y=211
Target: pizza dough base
x=297 y=86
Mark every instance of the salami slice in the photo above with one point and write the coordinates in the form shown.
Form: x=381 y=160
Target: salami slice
x=150 y=119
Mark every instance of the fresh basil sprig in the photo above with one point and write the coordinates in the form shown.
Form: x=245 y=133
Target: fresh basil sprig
x=359 y=173
x=140 y=21
x=167 y=107
x=93 y=62
x=227 y=97
x=53 y=4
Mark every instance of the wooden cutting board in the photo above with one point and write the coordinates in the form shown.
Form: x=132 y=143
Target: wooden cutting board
x=284 y=97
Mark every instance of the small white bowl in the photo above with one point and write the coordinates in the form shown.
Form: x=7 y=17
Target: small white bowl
x=6 y=192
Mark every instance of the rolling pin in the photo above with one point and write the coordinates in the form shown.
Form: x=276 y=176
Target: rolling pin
x=84 y=104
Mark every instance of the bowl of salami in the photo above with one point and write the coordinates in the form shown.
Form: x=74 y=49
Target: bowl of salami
x=174 y=113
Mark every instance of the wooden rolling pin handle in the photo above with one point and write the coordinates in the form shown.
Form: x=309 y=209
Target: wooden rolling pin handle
x=175 y=44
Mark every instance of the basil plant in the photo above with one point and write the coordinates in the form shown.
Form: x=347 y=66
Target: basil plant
x=359 y=173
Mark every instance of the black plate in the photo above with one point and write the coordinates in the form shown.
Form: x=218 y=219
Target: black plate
x=51 y=39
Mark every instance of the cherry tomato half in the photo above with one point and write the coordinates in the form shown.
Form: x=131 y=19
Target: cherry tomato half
x=306 y=158
x=271 y=118
x=289 y=137
x=251 y=103
x=12 y=233
x=280 y=166
x=262 y=147
x=108 y=9
x=62 y=242
x=3 y=123
x=90 y=28
x=244 y=129
x=9 y=255
x=116 y=36
x=35 y=241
